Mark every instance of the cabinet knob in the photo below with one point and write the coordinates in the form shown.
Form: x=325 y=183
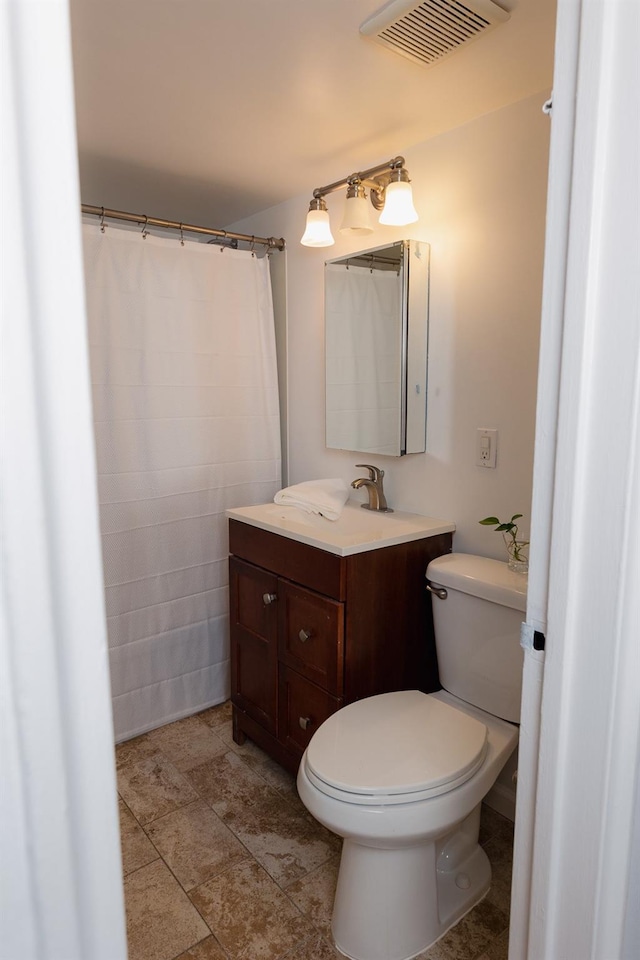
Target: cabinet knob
x=305 y=722
x=268 y=598
x=304 y=635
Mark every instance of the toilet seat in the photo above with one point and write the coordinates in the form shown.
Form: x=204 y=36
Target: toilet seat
x=395 y=748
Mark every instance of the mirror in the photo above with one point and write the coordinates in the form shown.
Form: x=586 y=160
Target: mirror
x=376 y=338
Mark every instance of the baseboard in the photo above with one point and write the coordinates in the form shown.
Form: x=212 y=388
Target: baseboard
x=502 y=799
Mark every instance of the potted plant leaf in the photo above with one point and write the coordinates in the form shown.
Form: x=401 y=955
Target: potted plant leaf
x=517 y=550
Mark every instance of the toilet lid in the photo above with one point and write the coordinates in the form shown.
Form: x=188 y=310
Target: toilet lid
x=395 y=744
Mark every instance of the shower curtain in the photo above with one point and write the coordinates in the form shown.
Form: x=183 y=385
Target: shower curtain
x=185 y=401
x=363 y=346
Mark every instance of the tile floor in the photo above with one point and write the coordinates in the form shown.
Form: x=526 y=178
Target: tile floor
x=221 y=860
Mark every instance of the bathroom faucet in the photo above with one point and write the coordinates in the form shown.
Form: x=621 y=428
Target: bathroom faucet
x=377 y=499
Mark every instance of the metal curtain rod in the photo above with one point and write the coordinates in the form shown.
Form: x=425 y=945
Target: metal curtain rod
x=272 y=243
x=372 y=258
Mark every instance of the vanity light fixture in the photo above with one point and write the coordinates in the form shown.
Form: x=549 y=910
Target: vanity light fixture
x=398 y=206
x=356 y=210
x=318 y=231
x=389 y=191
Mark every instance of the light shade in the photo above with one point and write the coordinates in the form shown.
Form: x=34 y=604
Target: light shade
x=398 y=204
x=318 y=231
x=356 y=212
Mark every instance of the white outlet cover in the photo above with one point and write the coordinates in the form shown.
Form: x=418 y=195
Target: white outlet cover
x=486 y=447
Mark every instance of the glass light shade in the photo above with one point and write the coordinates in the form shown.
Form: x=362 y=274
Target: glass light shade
x=318 y=231
x=356 y=216
x=398 y=205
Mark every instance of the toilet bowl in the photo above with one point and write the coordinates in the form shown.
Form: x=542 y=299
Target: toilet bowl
x=401 y=777
x=411 y=864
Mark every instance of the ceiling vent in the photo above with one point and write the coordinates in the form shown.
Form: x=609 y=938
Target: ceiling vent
x=429 y=31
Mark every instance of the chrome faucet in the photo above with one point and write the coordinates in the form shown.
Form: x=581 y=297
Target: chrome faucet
x=373 y=483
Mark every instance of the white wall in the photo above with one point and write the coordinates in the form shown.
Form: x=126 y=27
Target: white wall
x=480 y=191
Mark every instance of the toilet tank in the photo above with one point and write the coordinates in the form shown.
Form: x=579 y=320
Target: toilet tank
x=477 y=629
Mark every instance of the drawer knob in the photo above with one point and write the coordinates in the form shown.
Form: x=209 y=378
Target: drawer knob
x=268 y=598
x=304 y=635
x=305 y=722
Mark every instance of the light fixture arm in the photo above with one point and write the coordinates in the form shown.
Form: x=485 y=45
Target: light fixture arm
x=374 y=178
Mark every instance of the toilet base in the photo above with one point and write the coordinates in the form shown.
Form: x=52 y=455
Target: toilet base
x=386 y=907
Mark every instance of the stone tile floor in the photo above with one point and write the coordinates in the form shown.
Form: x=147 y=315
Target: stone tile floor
x=222 y=861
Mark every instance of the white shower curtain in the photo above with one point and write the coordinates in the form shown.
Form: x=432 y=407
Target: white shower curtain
x=363 y=347
x=186 y=418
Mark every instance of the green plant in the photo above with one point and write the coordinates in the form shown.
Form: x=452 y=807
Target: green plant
x=509 y=531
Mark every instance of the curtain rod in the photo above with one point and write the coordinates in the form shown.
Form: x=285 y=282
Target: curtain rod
x=272 y=243
x=372 y=258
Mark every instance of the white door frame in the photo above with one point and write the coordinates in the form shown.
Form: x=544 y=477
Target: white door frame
x=577 y=817
x=61 y=873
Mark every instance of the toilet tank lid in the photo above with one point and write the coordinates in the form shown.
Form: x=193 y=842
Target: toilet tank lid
x=480 y=577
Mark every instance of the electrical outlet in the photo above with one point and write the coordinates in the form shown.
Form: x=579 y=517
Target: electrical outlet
x=486 y=447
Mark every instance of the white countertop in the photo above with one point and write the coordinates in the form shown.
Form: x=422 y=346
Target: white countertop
x=356 y=531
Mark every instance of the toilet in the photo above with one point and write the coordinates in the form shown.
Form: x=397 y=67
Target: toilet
x=401 y=776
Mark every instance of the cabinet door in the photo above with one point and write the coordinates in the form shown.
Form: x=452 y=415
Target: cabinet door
x=303 y=707
x=254 y=654
x=311 y=635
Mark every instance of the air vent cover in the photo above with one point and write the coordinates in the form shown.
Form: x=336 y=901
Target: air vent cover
x=429 y=31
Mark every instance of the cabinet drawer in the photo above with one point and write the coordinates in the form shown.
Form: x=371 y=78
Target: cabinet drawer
x=303 y=707
x=311 y=635
x=313 y=568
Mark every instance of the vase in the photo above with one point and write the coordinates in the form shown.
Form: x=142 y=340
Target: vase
x=517 y=554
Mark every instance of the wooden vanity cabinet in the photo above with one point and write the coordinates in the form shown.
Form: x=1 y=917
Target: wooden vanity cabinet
x=312 y=631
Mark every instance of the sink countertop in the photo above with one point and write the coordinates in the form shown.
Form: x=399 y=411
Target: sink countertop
x=356 y=531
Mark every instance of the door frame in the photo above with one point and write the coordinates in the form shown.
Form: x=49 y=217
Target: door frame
x=577 y=821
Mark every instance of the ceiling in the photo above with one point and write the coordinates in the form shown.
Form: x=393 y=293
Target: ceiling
x=208 y=111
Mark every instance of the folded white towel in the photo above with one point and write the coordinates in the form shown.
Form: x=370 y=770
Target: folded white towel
x=326 y=497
